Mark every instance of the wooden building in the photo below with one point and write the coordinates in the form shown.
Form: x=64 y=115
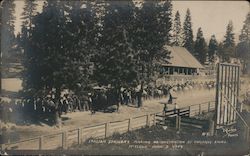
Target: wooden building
x=182 y=62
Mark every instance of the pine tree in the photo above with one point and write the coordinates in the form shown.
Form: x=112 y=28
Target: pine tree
x=228 y=43
x=124 y=43
x=165 y=20
x=7 y=28
x=188 y=32
x=1 y=68
x=177 y=31
x=131 y=42
x=99 y=8
x=212 y=48
x=28 y=13
x=229 y=37
x=60 y=47
x=45 y=56
x=82 y=44
x=220 y=50
x=152 y=28
x=200 y=47
x=114 y=61
x=0 y=26
x=153 y=25
x=243 y=47
x=245 y=31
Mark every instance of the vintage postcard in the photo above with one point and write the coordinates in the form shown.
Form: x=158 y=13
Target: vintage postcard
x=127 y=77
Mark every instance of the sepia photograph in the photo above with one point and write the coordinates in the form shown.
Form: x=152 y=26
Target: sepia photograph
x=125 y=77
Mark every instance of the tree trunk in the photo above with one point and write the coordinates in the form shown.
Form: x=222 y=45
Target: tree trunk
x=117 y=96
x=56 y=113
x=244 y=66
x=140 y=95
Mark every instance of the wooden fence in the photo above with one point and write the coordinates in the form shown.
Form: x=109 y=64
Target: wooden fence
x=77 y=136
x=197 y=109
x=185 y=112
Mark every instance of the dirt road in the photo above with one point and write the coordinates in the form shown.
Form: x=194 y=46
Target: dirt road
x=81 y=119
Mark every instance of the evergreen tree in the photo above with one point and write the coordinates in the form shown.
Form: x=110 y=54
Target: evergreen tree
x=245 y=31
x=229 y=37
x=114 y=63
x=1 y=68
x=151 y=32
x=28 y=13
x=153 y=25
x=82 y=44
x=125 y=44
x=220 y=50
x=131 y=42
x=45 y=56
x=188 y=32
x=200 y=47
x=165 y=20
x=60 y=47
x=177 y=31
x=99 y=8
x=228 y=43
x=243 y=47
x=212 y=48
x=7 y=29
x=0 y=16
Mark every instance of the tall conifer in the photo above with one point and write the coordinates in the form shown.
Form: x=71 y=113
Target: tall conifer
x=177 y=38
x=188 y=32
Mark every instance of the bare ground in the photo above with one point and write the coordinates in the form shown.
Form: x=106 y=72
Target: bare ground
x=82 y=119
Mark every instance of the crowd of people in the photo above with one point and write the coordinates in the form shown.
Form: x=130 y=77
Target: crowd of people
x=99 y=99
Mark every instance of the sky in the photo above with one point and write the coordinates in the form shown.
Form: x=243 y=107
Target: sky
x=211 y=16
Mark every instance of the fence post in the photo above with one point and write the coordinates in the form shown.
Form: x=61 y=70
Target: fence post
x=189 y=108
x=40 y=142
x=211 y=127
x=2 y=147
x=106 y=129
x=129 y=124
x=148 y=120
x=154 y=119
x=199 y=109
x=177 y=119
x=79 y=139
x=179 y=123
x=64 y=140
x=247 y=134
x=208 y=108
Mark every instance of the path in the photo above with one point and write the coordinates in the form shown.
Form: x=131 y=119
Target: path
x=81 y=119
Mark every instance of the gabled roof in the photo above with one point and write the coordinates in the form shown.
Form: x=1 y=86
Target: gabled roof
x=181 y=57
